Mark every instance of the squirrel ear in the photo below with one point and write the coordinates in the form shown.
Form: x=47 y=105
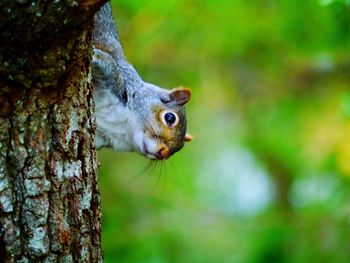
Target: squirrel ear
x=180 y=95
x=188 y=137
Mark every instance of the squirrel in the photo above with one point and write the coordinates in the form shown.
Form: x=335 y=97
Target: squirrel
x=131 y=114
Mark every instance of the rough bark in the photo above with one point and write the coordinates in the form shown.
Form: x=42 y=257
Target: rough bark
x=49 y=198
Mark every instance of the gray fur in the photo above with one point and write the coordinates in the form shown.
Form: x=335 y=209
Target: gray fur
x=124 y=102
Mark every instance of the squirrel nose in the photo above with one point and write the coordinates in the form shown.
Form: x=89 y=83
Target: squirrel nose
x=163 y=153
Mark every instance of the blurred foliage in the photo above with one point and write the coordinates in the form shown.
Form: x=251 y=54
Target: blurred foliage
x=267 y=177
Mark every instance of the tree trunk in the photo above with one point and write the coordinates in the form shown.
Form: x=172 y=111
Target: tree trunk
x=49 y=198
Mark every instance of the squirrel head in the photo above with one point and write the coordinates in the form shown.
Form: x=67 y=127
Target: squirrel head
x=133 y=115
x=164 y=124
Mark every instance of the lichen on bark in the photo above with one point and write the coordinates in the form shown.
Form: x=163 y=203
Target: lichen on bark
x=49 y=198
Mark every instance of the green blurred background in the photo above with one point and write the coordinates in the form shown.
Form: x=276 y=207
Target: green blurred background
x=267 y=177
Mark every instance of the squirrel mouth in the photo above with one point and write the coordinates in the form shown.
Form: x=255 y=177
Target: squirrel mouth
x=147 y=153
x=162 y=154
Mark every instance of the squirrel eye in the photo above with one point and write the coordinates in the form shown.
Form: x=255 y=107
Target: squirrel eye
x=170 y=119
